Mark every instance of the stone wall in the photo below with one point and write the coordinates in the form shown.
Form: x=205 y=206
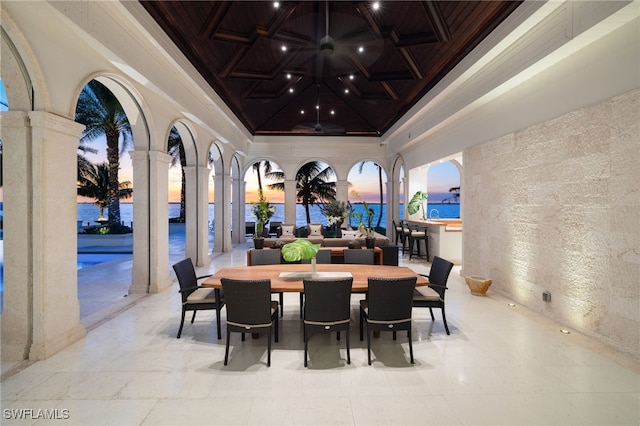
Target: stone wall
x=556 y=207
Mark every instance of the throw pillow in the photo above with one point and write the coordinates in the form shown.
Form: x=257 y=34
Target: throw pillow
x=315 y=230
x=287 y=230
x=349 y=234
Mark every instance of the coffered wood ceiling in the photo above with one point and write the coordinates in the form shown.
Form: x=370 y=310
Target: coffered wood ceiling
x=408 y=46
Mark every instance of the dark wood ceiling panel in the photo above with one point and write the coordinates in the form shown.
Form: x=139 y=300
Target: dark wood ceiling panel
x=408 y=46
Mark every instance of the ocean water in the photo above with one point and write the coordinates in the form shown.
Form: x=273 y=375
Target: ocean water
x=88 y=213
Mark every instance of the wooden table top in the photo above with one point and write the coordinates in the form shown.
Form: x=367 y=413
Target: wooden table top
x=359 y=272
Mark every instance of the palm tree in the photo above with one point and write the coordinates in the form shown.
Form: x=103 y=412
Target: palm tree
x=267 y=171
x=99 y=110
x=178 y=157
x=360 y=168
x=94 y=183
x=312 y=184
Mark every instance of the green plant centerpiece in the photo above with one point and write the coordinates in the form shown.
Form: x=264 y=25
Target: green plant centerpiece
x=301 y=249
x=417 y=203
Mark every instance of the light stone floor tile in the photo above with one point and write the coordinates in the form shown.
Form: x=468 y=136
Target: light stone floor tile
x=501 y=365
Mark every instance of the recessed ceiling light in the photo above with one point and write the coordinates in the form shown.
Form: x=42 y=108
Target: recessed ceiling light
x=317 y=106
x=289 y=75
x=360 y=49
x=284 y=48
x=563 y=331
x=333 y=112
x=346 y=90
x=512 y=305
x=276 y=4
x=351 y=77
x=376 y=5
x=301 y=111
x=290 y=89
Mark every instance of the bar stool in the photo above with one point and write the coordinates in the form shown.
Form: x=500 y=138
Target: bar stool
x=406 y=236
x=398 y=230
x=415 y=237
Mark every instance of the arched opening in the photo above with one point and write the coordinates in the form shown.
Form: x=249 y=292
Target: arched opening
x=367 y=192
x=443 y=186
x=105 y=193
x=262 y=188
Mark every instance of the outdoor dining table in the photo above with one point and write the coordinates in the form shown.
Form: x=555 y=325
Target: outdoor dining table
x=288 y=277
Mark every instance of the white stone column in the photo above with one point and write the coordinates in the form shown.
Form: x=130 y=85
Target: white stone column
x=40 y=209
x=191 y=213
x=342 y=190
x=202 y=257
x=238 y=222
x=222 y=238
x=290 y=201
x=392 y=207
x=140 y=275
x=159 y=221
x=17 y=218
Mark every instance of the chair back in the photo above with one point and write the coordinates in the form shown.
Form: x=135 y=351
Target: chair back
x=439 y=274
x=264 y=257
x=274 y=227
x=390 y=299
x=362 y=256
x=187 y=279
x=248 y=301
x=323 y=256
x=327 y=300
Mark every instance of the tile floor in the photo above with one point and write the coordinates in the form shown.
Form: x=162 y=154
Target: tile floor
x=501 y=365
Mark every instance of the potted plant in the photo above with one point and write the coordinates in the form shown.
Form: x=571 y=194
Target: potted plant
x=367 y=231
x=263 y=211
x=417 y=203
x=301 y=249
x=336 y=213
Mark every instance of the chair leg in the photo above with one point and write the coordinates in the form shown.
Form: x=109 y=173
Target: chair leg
x=218 y=324
x=394 y=335
x=444 y=320
x=410 y=346
x=281 y=304
x=194 y=316
x=369 y=344
x=301 y=304
x=269 y=349
x=226 y=351
x=361 y=321
x=338 y=336
x=184 y=311
x=348 y=352
x=432 y=317
x=306 y=338
x=276 y=334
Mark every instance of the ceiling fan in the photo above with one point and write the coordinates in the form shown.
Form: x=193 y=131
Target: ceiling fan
x=318 y=127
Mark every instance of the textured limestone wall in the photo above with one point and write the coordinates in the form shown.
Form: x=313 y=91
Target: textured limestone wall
x=556 y=207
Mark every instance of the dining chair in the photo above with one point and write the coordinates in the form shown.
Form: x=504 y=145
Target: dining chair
x=397 y=228
x=194 y=297
x=361 y=256
x=433 y=295
x=387 y=308
x=323 y=256
x=406 y=236
x=327 y=308
x=268 y=257
x=274 y=228
x=415 y=237
x=249 y=310
x=249 y=228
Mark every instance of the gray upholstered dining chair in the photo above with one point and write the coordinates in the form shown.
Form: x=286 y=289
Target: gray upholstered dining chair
x=268 y=257
x=387 y=308
x=323 y=256
x=194 y=297
x=249 y=310
x=327 y=308
x=433 y=295
x=361 y=256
